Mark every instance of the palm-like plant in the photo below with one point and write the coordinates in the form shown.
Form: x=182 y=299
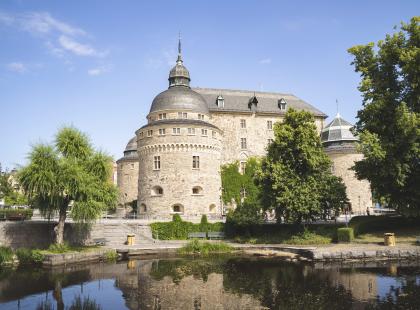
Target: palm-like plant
x=70 y=172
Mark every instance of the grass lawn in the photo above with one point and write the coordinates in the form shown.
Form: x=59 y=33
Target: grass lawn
x=402 y=235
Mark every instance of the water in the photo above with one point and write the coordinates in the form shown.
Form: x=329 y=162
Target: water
x=213 y=283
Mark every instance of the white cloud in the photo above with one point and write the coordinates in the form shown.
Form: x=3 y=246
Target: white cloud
x=99 y=70
x=17 y=67
x=265 y=61
x=75 y=47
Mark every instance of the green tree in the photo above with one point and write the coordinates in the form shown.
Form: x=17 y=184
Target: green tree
x=236 y=185
x=68 y=173
x=389 y=122
x=9 y=192
x=295 y=177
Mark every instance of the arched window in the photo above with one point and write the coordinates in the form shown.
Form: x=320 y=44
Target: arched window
x=157 y=191
x=143 y=208
x=177 y=208
x=197 y=190
x=212 y=208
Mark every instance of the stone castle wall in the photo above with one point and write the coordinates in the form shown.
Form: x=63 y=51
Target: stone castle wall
x=257 y=133
x=358 y=191
x=176 y=176
x=127 y=177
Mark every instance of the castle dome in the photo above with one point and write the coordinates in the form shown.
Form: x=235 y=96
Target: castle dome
x=337 y=132
x=131 y=148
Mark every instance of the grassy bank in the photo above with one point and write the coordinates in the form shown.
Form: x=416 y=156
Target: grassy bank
x=205 y=248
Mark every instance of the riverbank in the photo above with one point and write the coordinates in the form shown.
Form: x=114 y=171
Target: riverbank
x=324 y=253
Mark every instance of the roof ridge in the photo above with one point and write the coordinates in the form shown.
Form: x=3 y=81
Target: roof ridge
x=243 y=90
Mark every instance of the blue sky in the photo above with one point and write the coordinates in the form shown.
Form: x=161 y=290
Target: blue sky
x=97 y=65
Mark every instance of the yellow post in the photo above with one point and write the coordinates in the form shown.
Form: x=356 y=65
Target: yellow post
x=130 y=239
x=389 y=239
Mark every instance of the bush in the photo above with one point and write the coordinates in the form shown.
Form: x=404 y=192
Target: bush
x=111 y=256
x=366 y=224
x=205 y=248
x=307 y=238
x=345 y=234
x=204 y=223
x=59 y=248
x=29 y=257
x=179 y=230
x=16 y=214
x=6 y=255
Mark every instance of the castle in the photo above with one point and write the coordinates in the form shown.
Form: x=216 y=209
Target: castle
x=172 y=165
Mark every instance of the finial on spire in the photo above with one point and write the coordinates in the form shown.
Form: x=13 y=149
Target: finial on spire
x=336 y=102
x=179 y=48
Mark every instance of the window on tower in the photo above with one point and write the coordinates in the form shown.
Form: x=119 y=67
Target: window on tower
x=196 y=162
x=156 y=163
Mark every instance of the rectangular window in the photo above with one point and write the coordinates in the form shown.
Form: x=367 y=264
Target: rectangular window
x=204 y=132
x=213 y=134
x=242 y=166
x=176 y=131
x=243 y=123
x=162 y=116
x=156 y=163
x=269 y=125
x=141 y=134
x=150 y=133
x=191 y=131
x=179 y=114
x=184 y=115
x=201 y=117
x=243 y=143
x=162 y=131
x=196 y=162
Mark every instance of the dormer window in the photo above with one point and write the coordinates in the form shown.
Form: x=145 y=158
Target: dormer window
x=282 y=104
x=253 y=101
x=220 y=101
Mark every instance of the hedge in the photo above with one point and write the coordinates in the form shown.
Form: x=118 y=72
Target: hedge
x=345 y=234
x=16 y=214
x=366 y=224
x=179 y=230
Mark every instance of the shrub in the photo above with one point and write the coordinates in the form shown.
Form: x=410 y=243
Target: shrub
x=205 y=248
x=345 y=234
x=365 y=224
x=6 y=254
x=111 y=256
x=308 y=237
x=29 y=257
x=179 y=230
x=16 y=214
x=204 y=223
x=59 y=248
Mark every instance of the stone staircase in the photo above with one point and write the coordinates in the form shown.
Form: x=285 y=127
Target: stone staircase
x=115 y=234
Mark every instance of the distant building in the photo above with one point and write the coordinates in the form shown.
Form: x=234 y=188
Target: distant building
x=172 y=165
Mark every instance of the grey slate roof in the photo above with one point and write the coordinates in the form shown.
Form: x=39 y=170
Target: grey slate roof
x=268 y=102
x=338 y=130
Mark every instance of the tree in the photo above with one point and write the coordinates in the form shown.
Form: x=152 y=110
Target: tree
x=9 y=191
x=236 y=185
x=389 y=123
x=68 y=173
x=295 y=177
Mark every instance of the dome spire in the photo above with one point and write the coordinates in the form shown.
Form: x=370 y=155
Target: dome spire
x=179 y=75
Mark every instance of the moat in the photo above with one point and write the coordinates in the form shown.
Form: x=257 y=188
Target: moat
x=223 y=282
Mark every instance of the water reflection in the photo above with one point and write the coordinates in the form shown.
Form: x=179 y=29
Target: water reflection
x=214 y=283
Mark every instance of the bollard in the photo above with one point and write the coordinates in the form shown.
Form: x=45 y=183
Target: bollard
x=130 y=239
x=389 y=239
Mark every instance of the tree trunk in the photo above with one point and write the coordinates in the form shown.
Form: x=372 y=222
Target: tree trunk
x=59 y=229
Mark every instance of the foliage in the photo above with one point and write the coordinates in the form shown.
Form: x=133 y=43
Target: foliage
x=8 y=192
x=16 y=213
x=29 y=257
x=111 y=256
x=365 y=224
x=389 y=123
x=286 y=234
x=204 y=223
x=179 y=230
x=233 y=182
x=296 y=176
x=6 y=255
x=205 y=248
x=68 y=172
x=345 y=234
x=244 y=216
x=59 y=248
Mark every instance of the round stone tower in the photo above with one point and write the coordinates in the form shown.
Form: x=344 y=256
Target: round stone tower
x=179 y=154
x=127 y=173
x=340 y=145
